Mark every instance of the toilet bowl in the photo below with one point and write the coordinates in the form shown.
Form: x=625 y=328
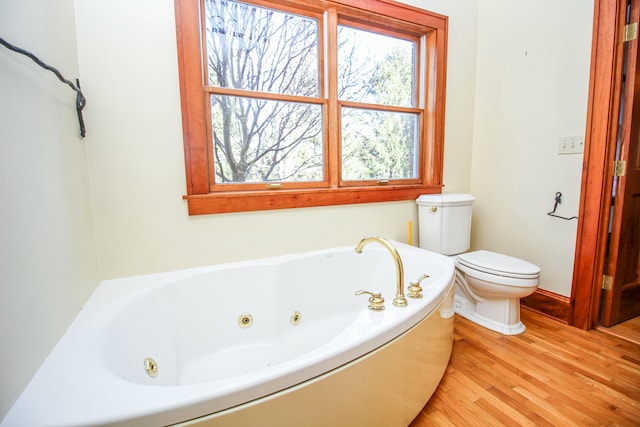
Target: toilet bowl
x=488 y=285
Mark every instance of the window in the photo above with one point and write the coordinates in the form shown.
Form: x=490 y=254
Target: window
x=302 y=103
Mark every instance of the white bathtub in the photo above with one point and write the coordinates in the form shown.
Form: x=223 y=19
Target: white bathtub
x=189 y=323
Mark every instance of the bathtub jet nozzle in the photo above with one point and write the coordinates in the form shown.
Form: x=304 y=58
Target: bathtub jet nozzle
x=400 y=300
x=151 y=367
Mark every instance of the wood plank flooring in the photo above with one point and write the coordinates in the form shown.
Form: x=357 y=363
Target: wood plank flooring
x=551 y=375
x=629 y=329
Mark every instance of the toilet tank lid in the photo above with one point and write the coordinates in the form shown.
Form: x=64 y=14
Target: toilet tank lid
x=445 y=199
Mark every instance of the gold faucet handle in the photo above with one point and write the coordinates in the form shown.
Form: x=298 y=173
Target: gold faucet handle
x=376 y=302
x=415 y=290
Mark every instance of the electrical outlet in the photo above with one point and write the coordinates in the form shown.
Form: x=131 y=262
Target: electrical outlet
x=571 y=145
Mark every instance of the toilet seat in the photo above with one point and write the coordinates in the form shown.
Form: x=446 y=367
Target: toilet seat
x=499 y=264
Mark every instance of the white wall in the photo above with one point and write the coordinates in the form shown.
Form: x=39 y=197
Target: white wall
x=517 y=81
x=48 y=261
x=532 y=80
x=461 y=84
x=129 y=68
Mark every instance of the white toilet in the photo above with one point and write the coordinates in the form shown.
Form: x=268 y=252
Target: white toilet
x=488 y=285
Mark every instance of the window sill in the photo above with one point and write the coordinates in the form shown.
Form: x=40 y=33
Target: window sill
x=288 y=199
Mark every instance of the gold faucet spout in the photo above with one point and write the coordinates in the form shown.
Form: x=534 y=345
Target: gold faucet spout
x=400 y=300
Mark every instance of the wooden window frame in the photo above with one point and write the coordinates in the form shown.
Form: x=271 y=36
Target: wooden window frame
x=197 y=147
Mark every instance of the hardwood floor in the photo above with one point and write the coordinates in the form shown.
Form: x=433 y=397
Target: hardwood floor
x=551 y=375
x=629 y=330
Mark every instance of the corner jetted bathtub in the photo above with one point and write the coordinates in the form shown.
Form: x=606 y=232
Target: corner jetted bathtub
x=272 y=342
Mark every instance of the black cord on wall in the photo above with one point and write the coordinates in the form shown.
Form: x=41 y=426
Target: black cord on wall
x=81 y=101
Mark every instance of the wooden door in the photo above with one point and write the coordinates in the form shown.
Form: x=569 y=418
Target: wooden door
x=621 y=295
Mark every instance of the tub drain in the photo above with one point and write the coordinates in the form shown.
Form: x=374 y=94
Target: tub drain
x=151 y=367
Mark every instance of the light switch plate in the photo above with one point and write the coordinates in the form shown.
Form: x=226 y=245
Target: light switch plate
x=571 y=145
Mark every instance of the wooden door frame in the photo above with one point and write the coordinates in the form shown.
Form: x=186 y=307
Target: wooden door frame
x=597 y=173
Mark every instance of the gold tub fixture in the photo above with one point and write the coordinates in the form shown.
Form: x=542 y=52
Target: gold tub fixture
x=376 y=302
x=399 y=300
x=415 y=290
x=296 y=318
x=151 y=367
x=245 y=320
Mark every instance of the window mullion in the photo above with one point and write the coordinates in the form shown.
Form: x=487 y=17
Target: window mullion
x=331 y=87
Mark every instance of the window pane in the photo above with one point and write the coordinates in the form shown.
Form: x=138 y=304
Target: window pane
x=256 y=140
x=259 y=49
x=379 y=145
x=375 y=68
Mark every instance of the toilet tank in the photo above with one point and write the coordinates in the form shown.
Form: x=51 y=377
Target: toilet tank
x=444 y=222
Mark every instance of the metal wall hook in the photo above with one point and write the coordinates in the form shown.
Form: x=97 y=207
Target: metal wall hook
x=558 y=200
